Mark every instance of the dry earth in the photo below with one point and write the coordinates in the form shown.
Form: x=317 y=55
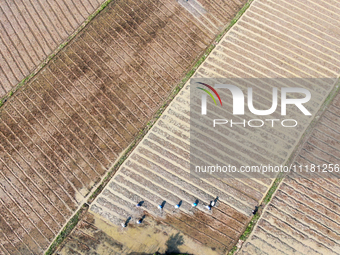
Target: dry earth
x=30 y=30
x=303 y=216
x=61 y=132
x=272 y=39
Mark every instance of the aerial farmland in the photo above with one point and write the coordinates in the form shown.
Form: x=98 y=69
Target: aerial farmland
x=101 y=126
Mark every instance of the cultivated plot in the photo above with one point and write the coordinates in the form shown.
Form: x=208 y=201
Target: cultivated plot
x=303 y=217
x=31 y=30
x=272 y=39
x=61 y=132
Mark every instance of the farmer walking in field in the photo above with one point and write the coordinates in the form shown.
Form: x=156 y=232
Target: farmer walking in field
x=178 y=205
x=125 y=224
x=139 y=204
x=195 y=203
x=161 y=206
x=141 y=220
x=212 y=204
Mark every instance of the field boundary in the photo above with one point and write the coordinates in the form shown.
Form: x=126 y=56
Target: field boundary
x=278 y=180
x=76 y=217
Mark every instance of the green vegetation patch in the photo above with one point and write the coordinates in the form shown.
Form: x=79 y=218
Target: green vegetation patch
x=66 y=230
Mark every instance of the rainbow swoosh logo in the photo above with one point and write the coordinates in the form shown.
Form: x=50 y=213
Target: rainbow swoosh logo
x=209 y=93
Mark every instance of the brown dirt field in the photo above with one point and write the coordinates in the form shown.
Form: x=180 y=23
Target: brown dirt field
x=94 y=235
x=303 y=216
x=288 y=44
x=31 y=30
x=61 y=132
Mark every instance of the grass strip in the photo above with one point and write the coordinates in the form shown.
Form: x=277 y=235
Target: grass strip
x=257 y=215
x=281 y=176
x=175 y=91
x=73 y=222
x=66 y=230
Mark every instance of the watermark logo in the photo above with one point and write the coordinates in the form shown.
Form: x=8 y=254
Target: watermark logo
x=204 y=96
x=247 y=127
x=239 y=102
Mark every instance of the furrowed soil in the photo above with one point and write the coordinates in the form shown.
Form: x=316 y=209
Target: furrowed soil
x=61 y=132
x=286 y=39
x=303 y=216
x=32 y=30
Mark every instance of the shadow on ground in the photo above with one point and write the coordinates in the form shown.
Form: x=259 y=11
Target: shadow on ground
x=172 y=246
x=173 y=242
